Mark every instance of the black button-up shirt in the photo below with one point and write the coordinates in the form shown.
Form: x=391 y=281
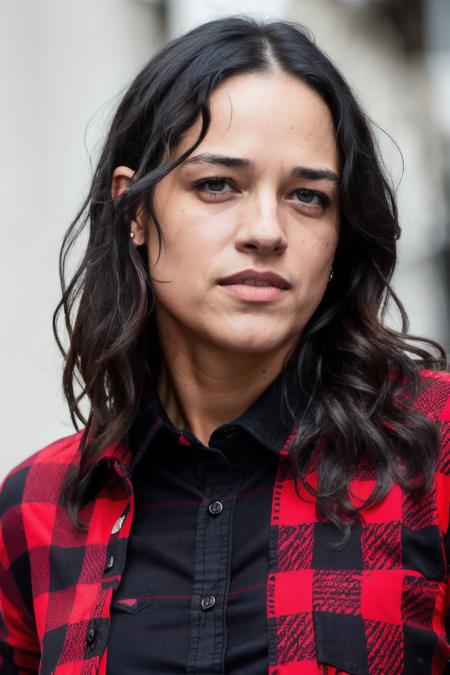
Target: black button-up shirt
x=193 y=593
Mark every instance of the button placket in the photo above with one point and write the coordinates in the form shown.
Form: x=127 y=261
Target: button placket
x=114 y=556
x=212 y=569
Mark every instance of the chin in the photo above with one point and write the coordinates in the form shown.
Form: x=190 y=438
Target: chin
x=253 y=344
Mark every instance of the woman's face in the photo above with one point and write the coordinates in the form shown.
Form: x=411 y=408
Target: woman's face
x=259 y=194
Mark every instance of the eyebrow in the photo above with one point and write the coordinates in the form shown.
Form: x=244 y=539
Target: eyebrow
x=240 y=163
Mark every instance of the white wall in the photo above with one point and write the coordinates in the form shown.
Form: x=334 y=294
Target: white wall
x=62 y=65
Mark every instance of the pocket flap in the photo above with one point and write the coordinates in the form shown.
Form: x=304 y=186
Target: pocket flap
x=131 y=605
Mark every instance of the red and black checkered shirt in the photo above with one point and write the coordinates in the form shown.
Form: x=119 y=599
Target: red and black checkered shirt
x=375 y=607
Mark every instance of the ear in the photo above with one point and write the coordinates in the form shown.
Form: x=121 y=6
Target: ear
x=121 y=178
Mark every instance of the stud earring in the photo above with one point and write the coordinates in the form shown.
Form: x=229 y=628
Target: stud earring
x=132 y=235
x=331 y=275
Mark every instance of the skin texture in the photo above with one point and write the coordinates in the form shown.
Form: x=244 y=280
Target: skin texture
x=221 y=352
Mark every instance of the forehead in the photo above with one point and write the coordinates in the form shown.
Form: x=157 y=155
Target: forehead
x=268 y=117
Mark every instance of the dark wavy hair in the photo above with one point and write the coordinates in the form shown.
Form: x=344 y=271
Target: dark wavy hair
x=357 y=376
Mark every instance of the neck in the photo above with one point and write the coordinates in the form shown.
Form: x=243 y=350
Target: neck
x=203 y=387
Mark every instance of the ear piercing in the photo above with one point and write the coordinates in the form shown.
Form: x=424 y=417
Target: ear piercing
x=132 y=235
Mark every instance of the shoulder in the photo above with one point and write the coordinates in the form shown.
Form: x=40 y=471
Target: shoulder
x=433 y=399
x=39 y=477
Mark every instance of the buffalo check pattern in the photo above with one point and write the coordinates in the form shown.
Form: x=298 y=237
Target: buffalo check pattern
x=378 y=606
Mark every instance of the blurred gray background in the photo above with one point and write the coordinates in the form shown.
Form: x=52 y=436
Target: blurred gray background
x=63 y=68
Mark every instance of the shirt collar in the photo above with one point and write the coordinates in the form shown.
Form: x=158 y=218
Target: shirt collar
x=267 y=419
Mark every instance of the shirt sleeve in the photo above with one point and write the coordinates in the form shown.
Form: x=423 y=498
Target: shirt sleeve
x=19 y=644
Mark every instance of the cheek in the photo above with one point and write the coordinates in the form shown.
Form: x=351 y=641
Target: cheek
x=190 y=248
x=177 y=269
x=315 y=260
x=316 y=254
x=173 y=250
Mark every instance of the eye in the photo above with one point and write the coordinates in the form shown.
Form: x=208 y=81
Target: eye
x=213 y=186
x=312 y=197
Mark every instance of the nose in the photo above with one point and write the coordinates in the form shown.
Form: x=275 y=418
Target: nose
x=260 y=229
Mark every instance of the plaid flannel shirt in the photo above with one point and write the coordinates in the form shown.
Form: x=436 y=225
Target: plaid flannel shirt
x=376 y=607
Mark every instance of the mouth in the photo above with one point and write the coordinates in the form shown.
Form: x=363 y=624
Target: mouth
x=255 y=286
x=256 y=278
x=254 y=293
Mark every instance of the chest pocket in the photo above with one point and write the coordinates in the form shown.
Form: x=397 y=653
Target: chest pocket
x=387 y=613
x=379 y=621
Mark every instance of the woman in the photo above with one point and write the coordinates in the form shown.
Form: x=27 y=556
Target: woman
x=261 y=484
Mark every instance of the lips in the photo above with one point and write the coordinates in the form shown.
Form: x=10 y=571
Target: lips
x=254 y=275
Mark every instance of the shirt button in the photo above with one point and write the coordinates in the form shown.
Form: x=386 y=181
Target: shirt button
x=215 y=508
x=110 y=562
x=91 y=636
x=118 y=525
x=208 y=601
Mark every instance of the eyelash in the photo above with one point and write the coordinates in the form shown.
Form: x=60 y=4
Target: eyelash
x=200 y=186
